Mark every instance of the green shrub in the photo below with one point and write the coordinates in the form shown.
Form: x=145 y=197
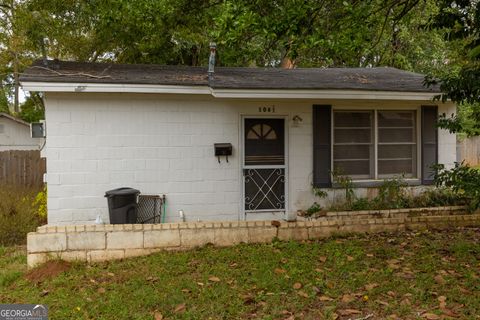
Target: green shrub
x=19 y=214
x=437 y=197
x=361 y=204
x=345 y=182
x=391 y=194
x=463 y=180
x=314 y=208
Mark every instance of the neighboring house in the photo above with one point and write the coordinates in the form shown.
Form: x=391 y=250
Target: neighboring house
x=15 y=134
x=154 y=128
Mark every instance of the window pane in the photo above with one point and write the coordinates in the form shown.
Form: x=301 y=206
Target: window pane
x=396 y=135
x=352 y=119
x=395 y=167
x=397 y=149
x=353 y=143
x=352 y=152
x=353 y=168
x=353 y=135
x=395 y=119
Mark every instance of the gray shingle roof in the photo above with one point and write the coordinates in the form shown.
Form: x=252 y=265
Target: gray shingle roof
x=376 y=79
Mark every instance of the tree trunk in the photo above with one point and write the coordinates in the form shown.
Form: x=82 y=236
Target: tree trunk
x=16 y=107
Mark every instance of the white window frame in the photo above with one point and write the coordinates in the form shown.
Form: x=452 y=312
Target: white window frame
x=375 y=110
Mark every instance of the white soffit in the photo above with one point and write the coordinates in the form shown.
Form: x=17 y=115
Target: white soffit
x=227 y=93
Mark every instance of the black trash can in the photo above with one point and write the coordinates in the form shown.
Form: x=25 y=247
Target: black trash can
x=122 y=205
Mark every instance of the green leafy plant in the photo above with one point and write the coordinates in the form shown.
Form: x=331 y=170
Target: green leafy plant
x=362 y=204
x=439 y=196
x=40 y=203
x=345 y=182
x=319 y=193
x=18 y=214
x=314 y=208
x=463 y=180
x=391 y=193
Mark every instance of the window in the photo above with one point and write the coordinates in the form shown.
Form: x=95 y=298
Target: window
x=375 y=144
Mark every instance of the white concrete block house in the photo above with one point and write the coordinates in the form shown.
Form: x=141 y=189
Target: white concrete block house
x=154 y=127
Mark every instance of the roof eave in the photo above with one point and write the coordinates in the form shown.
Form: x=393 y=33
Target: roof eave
x=346 y=94
x=19 y=121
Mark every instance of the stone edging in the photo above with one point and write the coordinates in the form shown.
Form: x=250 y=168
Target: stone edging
x=92 y=243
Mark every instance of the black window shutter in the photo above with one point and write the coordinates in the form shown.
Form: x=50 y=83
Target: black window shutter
x=429 y=142
x=322 y=125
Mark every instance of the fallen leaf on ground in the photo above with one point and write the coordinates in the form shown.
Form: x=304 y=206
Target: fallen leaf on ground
x=443 y=302
x=152 y=279
x=449 y=313
x=439 y=279
x=348 y=312
x=463 y=290
x=158 y=316
x=323 y=258
x=430 y=316
x=325 y=298
x=201 y=284
x=101 y=290
x=383 y=303
x=297 y=285
x=180 y=308
x=347 y=298
x=302 y=294
x=111 y=274
x=44 y=293
x=371 y=286
x=214 y=279
x=350 y=258
x=280 y=271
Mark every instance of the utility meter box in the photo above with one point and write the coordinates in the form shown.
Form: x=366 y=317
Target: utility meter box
x=37 y=129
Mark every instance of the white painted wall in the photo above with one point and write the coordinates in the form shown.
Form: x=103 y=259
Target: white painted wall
x=16 y=136
x=163 y=144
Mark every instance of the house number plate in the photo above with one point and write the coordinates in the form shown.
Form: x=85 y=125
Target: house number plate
x=270 y=109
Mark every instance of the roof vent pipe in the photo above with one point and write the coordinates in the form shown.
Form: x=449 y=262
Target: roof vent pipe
x=211 y=60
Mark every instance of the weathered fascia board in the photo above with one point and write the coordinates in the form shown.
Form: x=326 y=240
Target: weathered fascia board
x=228 y=93
x=322 y=94
x=112 y=87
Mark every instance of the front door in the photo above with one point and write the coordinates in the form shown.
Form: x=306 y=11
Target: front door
x=264 y=165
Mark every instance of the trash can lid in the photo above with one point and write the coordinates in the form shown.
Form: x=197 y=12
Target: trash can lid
x=121 y=192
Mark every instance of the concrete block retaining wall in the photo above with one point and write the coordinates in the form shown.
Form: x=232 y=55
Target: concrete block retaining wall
x=93 y=243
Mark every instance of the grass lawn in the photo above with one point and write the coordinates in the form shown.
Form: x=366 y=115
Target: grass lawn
x=427 y=275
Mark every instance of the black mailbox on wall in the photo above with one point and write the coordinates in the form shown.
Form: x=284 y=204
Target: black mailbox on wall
x=223 y=149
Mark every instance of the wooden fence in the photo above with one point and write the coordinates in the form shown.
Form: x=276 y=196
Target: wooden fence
x=469 y=150
x=24 y=168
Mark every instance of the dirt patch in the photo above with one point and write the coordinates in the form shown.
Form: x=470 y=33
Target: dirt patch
x=49 y=270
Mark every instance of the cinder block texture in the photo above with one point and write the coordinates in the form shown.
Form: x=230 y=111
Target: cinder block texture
x=109 y=242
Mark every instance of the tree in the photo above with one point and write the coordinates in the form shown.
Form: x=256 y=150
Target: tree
x=462 y=20
x=300 y=33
